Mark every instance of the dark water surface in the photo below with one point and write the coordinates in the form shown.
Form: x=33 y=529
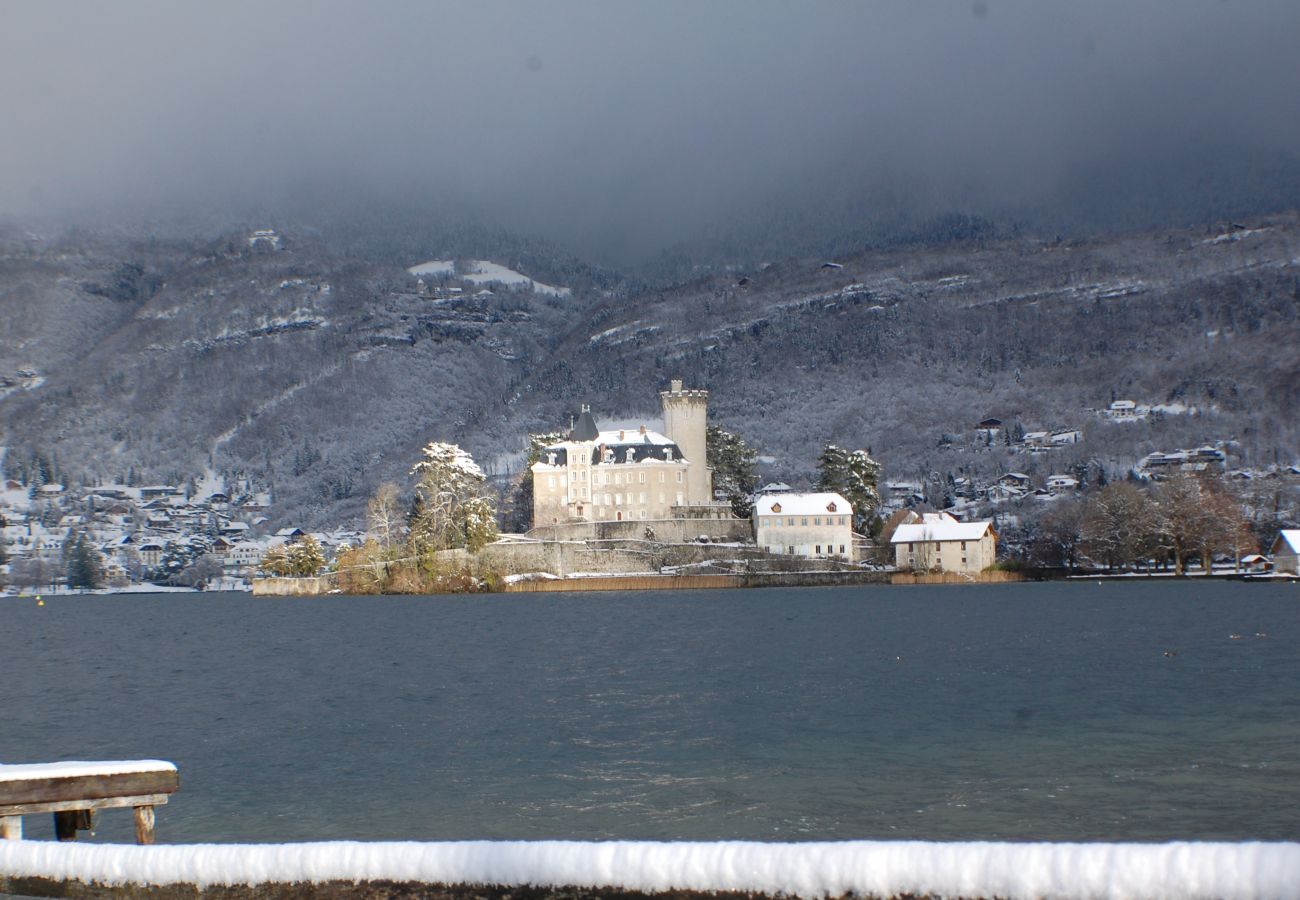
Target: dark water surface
x=989 y=712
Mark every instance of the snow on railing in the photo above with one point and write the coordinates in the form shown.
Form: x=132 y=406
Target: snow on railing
x=865 y=868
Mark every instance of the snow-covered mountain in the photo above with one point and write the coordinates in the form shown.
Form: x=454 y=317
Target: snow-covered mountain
x=317 y=369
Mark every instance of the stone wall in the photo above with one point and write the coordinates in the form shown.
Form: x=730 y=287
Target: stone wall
x=672 y=531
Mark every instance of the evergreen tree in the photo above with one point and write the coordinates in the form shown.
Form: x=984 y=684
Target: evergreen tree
x=732 y=461
x=449 y=480
x=83 y=563
x=854 y=475
x=304 y=557
x=275 y=562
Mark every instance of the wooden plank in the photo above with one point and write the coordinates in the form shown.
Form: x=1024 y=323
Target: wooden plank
x=78 y=787
x=144 y=824
x=24 y=809
x=11 y=828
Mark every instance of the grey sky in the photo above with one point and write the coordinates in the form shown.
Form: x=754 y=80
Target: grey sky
x=620 y=121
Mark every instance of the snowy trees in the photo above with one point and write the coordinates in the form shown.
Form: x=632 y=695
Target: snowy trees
x=732 y=461
x=82 y=563
x=1198 y=518
x=854 y=474
x=454 y=509
x=1121 y=525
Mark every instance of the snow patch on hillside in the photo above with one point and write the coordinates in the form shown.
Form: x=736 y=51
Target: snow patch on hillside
x=434 y=267
x=483 y=271
x=871 y=868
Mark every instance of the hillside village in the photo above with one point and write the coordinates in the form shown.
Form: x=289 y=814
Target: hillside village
x=613 y=492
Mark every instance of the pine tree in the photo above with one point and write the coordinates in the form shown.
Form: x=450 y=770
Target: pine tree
x=449 y=480
x=304 y=557
x=853 y=474
x=732 y=461
x=275 y=562
x=84 y=566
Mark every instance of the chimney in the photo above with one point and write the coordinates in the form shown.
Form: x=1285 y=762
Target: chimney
x=643 y=431
x=620 y=434
x=675 y=386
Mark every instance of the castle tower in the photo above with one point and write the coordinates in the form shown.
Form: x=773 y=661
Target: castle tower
x=686 y=416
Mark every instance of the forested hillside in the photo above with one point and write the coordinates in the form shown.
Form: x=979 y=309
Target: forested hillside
x=318 y=368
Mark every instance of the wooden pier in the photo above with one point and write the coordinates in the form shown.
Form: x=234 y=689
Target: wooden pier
x=75 y=791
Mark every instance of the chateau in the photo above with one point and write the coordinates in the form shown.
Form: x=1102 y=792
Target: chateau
x=615 y=476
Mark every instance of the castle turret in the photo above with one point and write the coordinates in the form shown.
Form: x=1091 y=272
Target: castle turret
x=685 y=423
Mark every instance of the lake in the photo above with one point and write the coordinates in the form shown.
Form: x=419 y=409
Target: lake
x=1082 y=711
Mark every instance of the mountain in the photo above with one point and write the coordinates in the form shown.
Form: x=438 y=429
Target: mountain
x=316 y=365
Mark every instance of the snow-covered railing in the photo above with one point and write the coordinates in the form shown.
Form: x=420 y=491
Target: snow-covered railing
x=1241 y=871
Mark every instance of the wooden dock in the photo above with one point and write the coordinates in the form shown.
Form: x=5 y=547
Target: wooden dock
x=75 y=791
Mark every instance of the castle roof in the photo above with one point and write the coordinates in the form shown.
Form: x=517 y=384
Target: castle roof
x=585 y=429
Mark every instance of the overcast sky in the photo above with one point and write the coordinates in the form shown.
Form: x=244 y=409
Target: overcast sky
x=620 y=121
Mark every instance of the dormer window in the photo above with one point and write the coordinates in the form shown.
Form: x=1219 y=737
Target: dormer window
x=668 y=454
x=776 y=507
x=552 y=457
x=630 y=455
x=830 y=507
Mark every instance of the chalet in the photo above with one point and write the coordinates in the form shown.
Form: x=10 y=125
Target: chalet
x=816 y=525
x=938 y=541
x=1057 y=484
x=1286 y=551
x=1122 y=410
x=1061 y=438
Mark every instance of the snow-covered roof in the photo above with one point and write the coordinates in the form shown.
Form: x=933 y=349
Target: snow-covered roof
x=792 y=504
x=940 y=527
x=1288 y=539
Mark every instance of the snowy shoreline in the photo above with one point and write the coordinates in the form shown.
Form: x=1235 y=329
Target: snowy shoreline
x=1230 y=871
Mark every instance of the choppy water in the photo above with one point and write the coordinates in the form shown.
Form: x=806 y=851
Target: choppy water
x=993 y=712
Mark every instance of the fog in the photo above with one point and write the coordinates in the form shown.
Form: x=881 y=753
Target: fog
x=619 y=128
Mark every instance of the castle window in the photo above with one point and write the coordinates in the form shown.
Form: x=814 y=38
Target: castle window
x=817 y=521
x=661 y=477
x=679 y=476
x=641 y=479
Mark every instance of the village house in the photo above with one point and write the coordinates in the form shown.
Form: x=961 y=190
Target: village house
x=938 y=541
x=622 y=475
x=1057 y=484
x=1286 y=551
x=1122 y=410
x=815 y=525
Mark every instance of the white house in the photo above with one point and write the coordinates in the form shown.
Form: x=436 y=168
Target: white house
x=1286 y=551
x=938 y=541
x=812 y=525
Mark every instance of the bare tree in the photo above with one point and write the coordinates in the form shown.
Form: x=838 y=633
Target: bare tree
x=1121 y=526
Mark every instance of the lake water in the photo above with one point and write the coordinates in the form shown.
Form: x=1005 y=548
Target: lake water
x=992 y=712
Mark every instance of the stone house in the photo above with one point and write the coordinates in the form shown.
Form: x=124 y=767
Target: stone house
x=1286 y=551
x=938 y=541
x=815 y=525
